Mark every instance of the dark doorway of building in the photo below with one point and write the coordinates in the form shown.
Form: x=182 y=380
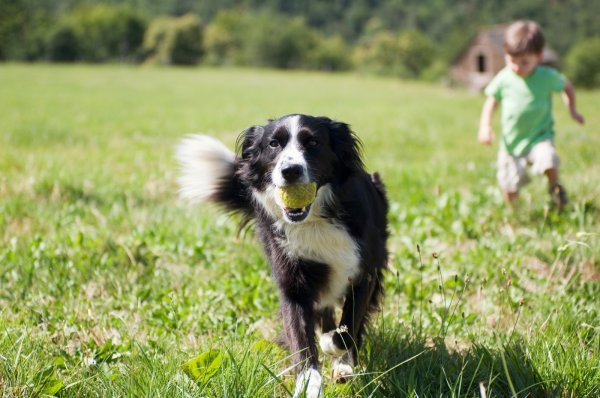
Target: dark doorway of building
x=481 y=66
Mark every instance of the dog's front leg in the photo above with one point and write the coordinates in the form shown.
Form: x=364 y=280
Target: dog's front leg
x=343 y=343
x=299 y=325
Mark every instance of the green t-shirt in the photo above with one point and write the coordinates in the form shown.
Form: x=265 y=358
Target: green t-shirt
x=526 y=106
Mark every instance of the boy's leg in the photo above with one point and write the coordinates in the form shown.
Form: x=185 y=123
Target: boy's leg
x=557 y=192
x=512 y=175
x=544 y=159
x=511 y=198
x=552 y=175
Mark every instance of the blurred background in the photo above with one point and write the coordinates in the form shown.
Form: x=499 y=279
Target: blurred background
x=410 y=39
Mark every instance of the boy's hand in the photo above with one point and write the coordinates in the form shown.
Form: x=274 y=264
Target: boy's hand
x=486 y=135
x=577 y=117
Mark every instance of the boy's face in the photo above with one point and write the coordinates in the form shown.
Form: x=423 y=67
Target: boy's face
x=523 y=64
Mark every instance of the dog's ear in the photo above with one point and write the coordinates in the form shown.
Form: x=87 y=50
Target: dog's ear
x=248 y=149
x=345 y=145
x=248 y=142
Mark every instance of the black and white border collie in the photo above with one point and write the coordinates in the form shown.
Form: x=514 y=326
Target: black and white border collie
x=328 y=254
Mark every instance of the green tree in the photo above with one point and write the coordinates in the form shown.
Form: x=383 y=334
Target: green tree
x=22 y=30
x=62 y=45
x=12 y=17
x=176 y=41
x=224 y=37
x=583 y=63
x=278 y=42
x=187 y=47
x=331 y=53
x=415 y=52
x=405 y=55
x=271 y=40
x=104 y=32
x=379 y=54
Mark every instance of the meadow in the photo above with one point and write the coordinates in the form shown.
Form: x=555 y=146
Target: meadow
x=109 y=284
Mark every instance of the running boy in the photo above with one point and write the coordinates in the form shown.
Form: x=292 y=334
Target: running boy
x=524 y=88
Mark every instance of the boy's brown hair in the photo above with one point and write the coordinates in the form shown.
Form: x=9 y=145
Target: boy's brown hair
x=524 y=37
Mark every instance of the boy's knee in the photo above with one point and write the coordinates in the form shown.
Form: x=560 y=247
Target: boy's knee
x=512 y=173
x=543 y=157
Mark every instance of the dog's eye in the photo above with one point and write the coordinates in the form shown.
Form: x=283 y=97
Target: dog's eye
x=313 y=142
x=274 y=143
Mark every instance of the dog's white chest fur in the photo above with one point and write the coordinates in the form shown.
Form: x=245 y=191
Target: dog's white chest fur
x=322 y=241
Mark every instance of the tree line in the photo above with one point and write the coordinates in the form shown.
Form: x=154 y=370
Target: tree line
x=404 y=38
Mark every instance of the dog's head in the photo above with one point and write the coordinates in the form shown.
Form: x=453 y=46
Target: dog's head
x=297 y=149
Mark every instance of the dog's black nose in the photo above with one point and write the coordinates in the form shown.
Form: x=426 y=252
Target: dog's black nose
x=292 y=172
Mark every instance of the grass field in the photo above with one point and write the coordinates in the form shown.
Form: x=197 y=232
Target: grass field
x=108 y=284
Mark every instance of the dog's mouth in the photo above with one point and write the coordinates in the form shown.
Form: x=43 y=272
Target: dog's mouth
x=296 y=215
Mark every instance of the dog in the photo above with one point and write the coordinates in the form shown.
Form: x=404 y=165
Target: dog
x=329 y=254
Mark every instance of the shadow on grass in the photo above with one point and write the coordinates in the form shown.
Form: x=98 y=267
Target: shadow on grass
x=398 y=365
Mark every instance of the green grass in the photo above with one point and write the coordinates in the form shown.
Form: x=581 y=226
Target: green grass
x=108 y=284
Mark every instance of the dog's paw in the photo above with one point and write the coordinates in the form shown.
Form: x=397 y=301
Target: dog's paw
x=328 y=346
x=309 y=384
x=342 y=370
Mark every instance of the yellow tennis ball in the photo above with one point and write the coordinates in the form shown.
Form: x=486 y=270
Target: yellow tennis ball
x=297 y=196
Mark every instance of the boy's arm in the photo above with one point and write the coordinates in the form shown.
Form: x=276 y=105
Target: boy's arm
x=569 y=100
x=486 y=133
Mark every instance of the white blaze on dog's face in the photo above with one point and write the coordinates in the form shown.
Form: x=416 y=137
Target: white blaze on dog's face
x=291 y=167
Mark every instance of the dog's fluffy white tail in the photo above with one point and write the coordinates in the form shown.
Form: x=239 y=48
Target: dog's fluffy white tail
x=204 y=162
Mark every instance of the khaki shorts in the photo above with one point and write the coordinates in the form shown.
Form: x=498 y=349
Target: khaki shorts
x=512 y=170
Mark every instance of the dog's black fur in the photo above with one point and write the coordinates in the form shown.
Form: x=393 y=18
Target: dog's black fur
x=310 y=250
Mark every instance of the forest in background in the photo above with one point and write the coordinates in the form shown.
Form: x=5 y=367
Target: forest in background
x=404 y=38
